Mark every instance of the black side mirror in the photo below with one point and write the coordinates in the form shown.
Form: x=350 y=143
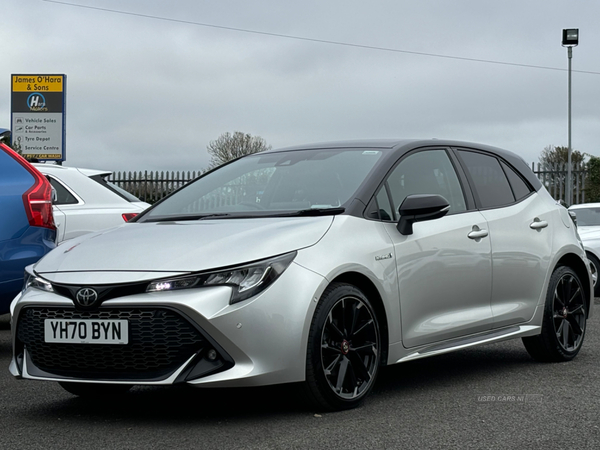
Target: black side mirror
x=418 y=208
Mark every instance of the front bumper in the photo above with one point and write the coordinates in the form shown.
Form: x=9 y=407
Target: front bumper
x=193 y=336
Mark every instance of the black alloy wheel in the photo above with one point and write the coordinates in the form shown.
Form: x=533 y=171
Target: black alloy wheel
x=568 y=306
x=564 y=323
x=344 y=349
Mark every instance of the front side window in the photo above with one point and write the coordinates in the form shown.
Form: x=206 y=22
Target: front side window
x=263 y=184
x=426 y=172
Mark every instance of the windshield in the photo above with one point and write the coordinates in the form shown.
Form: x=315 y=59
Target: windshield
x=587 y=217
x=306 y=181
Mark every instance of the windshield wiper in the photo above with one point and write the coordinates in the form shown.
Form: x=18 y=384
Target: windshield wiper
x=316 y=212
x=185 y=217
x=258 y=214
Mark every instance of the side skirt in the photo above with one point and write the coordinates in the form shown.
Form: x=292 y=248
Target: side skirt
x=471 y=341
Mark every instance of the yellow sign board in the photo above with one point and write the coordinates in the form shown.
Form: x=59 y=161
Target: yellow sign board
x=37 y=83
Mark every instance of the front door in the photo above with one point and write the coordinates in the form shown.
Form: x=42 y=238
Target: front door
x=444 y=267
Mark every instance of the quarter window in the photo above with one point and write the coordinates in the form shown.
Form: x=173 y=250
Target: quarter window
x=519 y=187
x=63 y=196
x=385 y=207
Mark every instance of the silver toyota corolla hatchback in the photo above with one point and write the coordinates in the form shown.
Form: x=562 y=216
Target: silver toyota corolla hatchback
x=317 y=264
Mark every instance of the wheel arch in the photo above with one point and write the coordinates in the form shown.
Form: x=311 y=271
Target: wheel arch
x=592 y=251
x=367 y=287
x=576 y=263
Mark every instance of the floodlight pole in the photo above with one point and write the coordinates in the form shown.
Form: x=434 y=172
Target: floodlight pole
x=569 y=150
x=570 y=39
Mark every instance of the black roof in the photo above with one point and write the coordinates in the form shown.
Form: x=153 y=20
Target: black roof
x=398 y=147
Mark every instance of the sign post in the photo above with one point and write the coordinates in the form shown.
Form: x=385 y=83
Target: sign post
x=38 y=116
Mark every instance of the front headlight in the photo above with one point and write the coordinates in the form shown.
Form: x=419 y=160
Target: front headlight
x=246 y=281
x=33 y=281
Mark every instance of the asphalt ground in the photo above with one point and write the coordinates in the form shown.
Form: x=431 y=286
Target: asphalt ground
x=489 y=397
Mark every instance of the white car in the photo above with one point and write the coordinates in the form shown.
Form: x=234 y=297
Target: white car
x=86 y=202
x=316 y=264
x=588 y=226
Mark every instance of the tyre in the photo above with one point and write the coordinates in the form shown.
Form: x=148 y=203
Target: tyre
x=564 y=321
x=344 y=349
x=594 y=269
x=94 y=390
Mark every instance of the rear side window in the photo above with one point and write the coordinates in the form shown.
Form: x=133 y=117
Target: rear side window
x=492 y=186
x=114 y=188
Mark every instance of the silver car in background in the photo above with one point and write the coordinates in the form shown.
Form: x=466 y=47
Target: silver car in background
x=316 y=264
x=86 y=202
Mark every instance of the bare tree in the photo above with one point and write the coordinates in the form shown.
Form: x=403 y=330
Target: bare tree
x=554 y=155
x=231 y=146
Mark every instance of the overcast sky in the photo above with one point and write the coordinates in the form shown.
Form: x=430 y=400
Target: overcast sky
x=150 y=85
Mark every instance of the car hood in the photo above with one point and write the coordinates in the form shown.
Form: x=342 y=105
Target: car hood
x=186 y=246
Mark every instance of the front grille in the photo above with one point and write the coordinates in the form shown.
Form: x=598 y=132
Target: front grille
x=160 y=341
x=105 y=292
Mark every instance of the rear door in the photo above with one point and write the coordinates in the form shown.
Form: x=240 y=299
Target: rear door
x=520 y=232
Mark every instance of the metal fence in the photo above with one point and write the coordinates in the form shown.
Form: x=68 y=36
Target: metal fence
x=554 y=178
x=153 y=186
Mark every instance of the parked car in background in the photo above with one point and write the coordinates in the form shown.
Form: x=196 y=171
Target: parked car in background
x=4 y=135
x=588 y=225
x=86 y=202
x=27 y=230
x=314 y=264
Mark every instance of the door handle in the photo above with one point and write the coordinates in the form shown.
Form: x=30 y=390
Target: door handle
x=477 y=233
x=538 y=224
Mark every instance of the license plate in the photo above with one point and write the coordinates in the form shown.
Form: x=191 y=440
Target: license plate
x=86 y=331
